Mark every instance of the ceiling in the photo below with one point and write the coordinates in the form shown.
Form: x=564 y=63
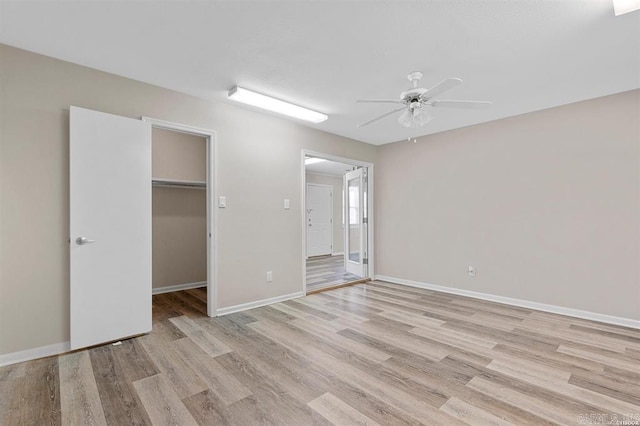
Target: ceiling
x=328 y=167
x=521 y=55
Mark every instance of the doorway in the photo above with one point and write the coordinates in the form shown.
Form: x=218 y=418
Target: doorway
x=336 y=239
x=110 y=224
x=189 y=187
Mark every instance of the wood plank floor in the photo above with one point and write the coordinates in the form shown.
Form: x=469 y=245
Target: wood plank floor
x=373 y=353
x=327 y=271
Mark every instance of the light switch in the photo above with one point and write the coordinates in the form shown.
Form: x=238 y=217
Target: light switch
x=286 y=204
x=222 y=202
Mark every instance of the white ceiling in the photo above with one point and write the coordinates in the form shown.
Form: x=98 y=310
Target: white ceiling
x=523 y=55
x=332 y=168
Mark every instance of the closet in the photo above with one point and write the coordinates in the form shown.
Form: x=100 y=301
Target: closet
x=179 y=210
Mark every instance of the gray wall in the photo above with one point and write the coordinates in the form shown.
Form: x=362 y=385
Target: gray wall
x=336 y=183
x=544 y=205
x=35 y=95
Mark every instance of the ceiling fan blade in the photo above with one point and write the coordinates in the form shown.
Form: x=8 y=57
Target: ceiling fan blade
x=380 y=101
x=461 y=104
x=380 y=117
x=443 y=86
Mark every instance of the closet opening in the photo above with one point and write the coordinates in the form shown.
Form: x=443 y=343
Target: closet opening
x=183 y=216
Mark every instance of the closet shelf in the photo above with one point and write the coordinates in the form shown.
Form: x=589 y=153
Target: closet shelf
x=175 y=183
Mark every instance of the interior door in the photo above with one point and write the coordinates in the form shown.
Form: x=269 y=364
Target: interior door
x=355 y=235
x=319 y=219
x=110 y=227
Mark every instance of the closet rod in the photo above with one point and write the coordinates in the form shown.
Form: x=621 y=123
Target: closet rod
x=178 y=183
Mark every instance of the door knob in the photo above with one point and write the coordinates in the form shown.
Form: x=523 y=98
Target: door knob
x=82 y=241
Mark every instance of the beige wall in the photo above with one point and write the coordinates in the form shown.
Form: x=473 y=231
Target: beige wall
x=336 y=183
x=179 y=215
x=177 y=155
x=35 y=95
x=545 y=206
x=179 y=222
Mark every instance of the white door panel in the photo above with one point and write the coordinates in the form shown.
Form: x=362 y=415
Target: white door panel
x=110 y=203
x=355 y=235
x=319 y=219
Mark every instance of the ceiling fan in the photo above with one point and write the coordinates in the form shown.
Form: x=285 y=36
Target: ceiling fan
x=416 y=100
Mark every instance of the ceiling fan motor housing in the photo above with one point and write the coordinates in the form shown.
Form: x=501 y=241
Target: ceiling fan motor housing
x=412 y=95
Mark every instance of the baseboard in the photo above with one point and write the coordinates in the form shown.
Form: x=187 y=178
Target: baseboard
x=593 y=316
x=257 y=303
x=35 y=353
x=339 y=253
x=178 y=287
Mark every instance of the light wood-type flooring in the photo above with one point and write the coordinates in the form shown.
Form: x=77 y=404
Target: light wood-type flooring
x=373 y=353
x=327 y=271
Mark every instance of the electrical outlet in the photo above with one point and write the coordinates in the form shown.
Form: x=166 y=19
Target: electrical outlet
x=269 y=276
x=472 y=271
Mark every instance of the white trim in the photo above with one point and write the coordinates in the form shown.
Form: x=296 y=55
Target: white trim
x=338 y=253
x=555 y=309
x=178 y=287
x=183 y=128
x=35 y=353
x=325 y=174
x=212 y=208
x=258 y=303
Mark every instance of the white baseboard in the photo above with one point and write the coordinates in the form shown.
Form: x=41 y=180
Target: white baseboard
x=338 y=253
x=35 y=353
x=257 y=303
x=593 y=316
x=178 y=287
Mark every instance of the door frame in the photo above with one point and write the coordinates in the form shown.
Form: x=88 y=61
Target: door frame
x=210 y=137
x=330 y=209
x=370 y=209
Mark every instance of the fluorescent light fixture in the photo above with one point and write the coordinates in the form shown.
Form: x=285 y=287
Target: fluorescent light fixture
x=621 y=7
x=281 y=107
x=313 y=160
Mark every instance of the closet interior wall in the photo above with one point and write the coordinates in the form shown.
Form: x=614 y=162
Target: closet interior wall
x=179 y=214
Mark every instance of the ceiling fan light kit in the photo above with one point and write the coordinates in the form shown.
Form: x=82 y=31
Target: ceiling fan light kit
x=416 y=100
x=414 y=118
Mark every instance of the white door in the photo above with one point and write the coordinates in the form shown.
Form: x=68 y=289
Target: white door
x=319 y=207
x=110 y=227
x=355 y=234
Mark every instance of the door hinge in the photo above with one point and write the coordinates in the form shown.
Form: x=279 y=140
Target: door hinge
x=365 y=220
x=365 y=261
